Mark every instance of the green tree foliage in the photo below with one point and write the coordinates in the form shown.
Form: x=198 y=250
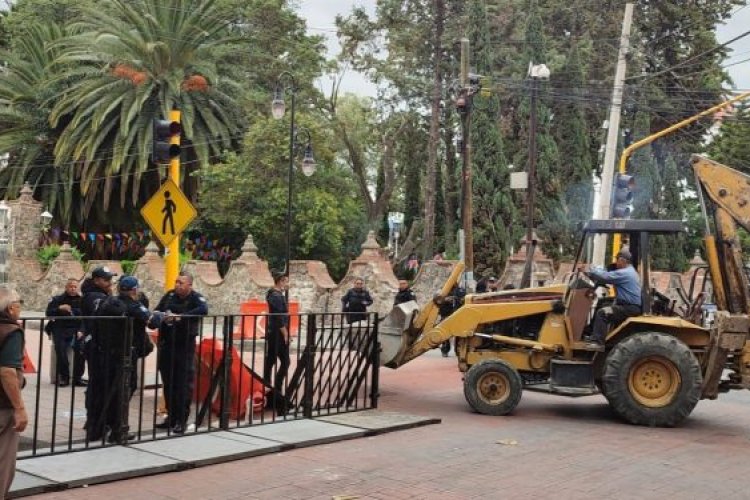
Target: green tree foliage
x=576 y=164
x=496 y=219
x=27 y=91
x=248 y=194
x=138 y=61
x=732 y=144
x=550 y=217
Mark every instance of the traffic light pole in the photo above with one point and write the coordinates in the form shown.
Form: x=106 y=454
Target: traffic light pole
x=172 y=254
x=610 y=153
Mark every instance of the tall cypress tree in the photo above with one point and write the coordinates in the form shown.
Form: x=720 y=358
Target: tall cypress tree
x=572 y=137
x=732 y=146
x=495 y=216
x=550 y=218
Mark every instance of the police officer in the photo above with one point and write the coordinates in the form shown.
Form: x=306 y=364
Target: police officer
x=356 y=301
x=277 y=343
x=66 y=333
x=405 y=293
x=136 y=306
x=95 y=290
x=179 y=327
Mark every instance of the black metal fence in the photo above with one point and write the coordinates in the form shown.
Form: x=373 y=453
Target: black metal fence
x=226 y=376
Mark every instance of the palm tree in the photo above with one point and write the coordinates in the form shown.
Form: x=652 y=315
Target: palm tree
x=27 y=85
x=133 y=61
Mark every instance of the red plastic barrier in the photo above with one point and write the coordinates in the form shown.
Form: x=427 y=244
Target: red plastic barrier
x=28 y=365
x=254 y=325
x=242 y=384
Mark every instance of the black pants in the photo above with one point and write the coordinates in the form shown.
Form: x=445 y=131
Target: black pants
x=276 y=350
x=62 y=341
x=104 y=395
x=611 y=316
x=176 y=365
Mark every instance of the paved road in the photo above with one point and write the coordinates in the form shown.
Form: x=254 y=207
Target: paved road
x=552 y=447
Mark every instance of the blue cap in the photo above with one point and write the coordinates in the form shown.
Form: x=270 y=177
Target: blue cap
x=127 y=283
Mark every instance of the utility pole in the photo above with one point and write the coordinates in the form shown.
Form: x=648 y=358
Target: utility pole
x=610 y=153
x=464 y=105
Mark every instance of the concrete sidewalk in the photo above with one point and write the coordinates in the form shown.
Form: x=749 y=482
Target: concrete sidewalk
x=69 y=470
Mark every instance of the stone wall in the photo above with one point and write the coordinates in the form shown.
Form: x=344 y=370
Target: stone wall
x=430 y=279
x=25 y=214
x=37 y=287
x=249 y=277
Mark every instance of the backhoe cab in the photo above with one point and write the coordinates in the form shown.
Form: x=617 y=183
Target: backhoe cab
x=653 y=368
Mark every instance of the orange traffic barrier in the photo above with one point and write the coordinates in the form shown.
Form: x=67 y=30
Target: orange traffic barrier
x=243 y=386
x=253 y=322
x=28 y=365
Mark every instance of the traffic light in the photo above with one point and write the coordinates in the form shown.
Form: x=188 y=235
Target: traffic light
x=622 y=196
x=166 y=141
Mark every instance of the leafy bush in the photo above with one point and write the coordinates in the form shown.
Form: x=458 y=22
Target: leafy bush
x=46 y=254
x=128 y=266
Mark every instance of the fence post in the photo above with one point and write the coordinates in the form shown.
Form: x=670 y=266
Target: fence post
x=226 y=367
x=124 y=389
x=310 y=365
x=375 y=357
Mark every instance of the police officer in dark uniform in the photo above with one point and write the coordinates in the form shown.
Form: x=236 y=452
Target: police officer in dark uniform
x=95 y=290
x=176 y=361
x=66 y=333
x=277 y=343
x=405 y=293
x=136 y=305
x=356 y=301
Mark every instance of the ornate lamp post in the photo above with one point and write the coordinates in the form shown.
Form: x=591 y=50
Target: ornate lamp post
x=278 y=109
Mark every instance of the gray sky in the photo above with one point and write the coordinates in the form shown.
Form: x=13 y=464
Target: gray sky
x=320 y=16
x=739 y=23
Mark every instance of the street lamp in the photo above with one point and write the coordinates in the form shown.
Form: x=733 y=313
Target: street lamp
x=45 y=219
x=537 y=72
x=278 y=109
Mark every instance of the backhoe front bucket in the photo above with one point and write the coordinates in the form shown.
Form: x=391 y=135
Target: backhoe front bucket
x=394 y=332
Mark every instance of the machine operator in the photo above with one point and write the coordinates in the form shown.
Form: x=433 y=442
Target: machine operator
x=627 y=295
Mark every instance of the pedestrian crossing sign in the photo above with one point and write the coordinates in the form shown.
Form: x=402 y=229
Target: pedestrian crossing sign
x=168 y=212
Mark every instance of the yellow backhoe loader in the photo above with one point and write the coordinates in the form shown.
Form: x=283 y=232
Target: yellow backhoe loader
x=653 y=368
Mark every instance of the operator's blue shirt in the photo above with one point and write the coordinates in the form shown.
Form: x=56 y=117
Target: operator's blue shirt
x=626 y=282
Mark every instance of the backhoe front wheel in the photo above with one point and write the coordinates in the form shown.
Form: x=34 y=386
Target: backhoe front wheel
x=652 y=379
x=493 y=387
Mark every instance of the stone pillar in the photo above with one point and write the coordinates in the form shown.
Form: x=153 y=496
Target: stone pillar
x=248 y=278
x=150 y=273
x=25 y=213
x=542 y=268
x=310 y=284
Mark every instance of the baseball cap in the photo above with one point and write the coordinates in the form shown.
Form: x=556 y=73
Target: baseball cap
x=102 y=272
x=491 y=278
x=624 y=254
x=127 y=283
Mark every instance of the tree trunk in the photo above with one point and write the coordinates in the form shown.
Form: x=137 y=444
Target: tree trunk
x=432 y=158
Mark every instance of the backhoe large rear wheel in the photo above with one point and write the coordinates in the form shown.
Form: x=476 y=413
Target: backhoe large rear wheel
x=652 y=379
x=493 y=387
